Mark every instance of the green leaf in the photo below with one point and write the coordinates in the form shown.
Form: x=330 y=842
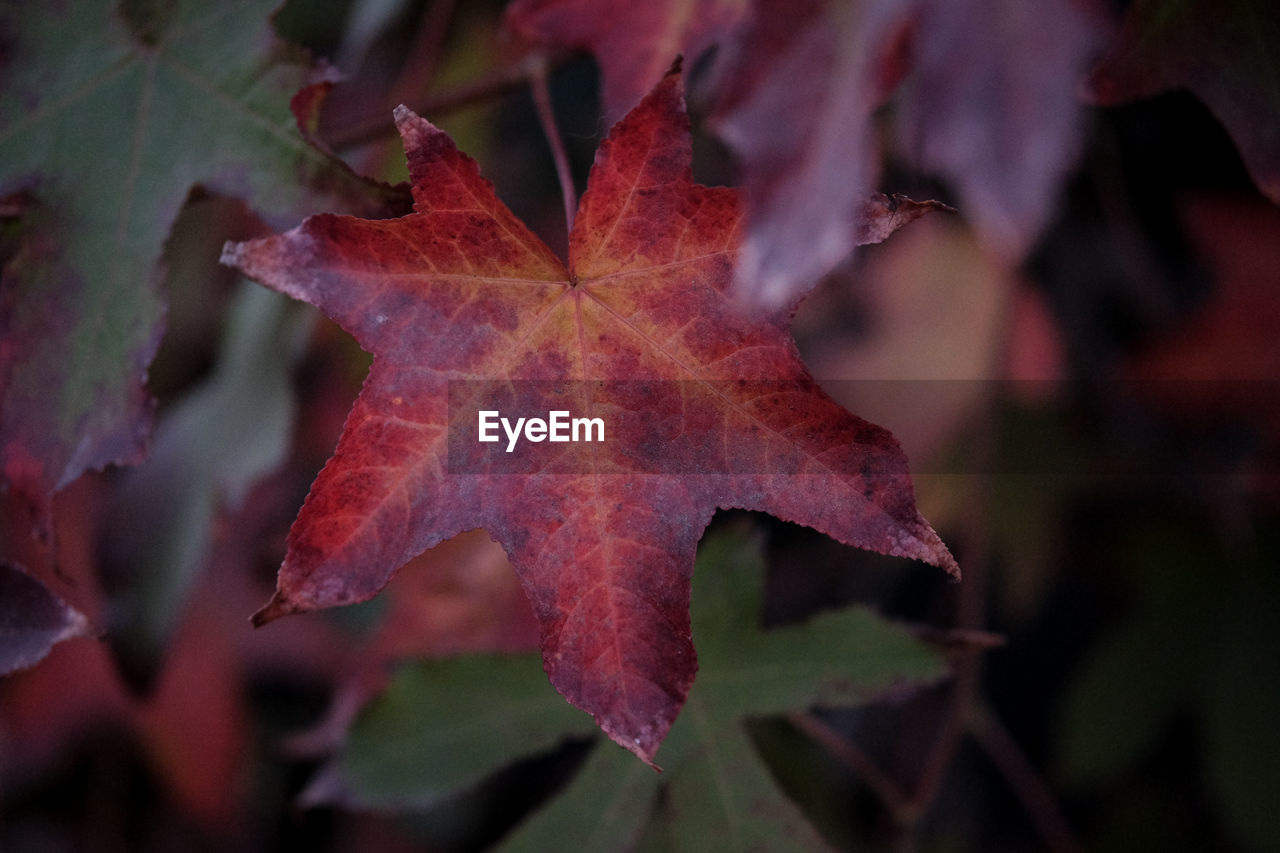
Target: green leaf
x=844 y=657
x=1144 y=672
x=1200 y=645
x=446 y=725
x=214 y=444
x=1123 y=701
x=724 y=797
x=109 y=114
x=605 y=807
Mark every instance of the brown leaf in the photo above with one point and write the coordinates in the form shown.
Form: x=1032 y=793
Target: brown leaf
x=881 y=215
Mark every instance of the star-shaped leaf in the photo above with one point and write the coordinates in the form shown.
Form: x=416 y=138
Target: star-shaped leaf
x=445 y=725
x=109 y=113
x=702 y=406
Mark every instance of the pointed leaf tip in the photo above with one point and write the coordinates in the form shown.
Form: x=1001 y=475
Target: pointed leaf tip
x=952 y=568
x=32 y=619
x=275 y=608
x=643 y=748
x=881 y=215
x=231 y=252
x=935 y=552
x=643 y=751
x=413 y=128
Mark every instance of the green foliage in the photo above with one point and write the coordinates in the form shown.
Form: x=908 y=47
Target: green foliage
x=445 y=725
x=215 y=443
x=108 y=120
x=1200 y=642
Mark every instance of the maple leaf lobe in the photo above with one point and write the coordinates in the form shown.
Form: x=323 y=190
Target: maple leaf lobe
x=602 y=536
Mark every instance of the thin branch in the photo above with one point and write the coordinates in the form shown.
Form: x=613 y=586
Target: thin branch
x=958 y=640
x=971 y=602
x=377 y=126
x=968 y=668
x=1025 y=782
x=964 y=689
x=888 y=791
x=547 y=117
x=424 y=54
x=417 y=70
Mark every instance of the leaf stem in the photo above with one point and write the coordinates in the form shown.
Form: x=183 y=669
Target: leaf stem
x=537 y=71
x=1039 y=802
x=965 y=713
x=977 y=548
x=377 y=126
x=424 y=55
x=889 y=792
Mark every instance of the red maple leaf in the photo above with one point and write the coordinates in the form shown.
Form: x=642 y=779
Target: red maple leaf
x=703 y=406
